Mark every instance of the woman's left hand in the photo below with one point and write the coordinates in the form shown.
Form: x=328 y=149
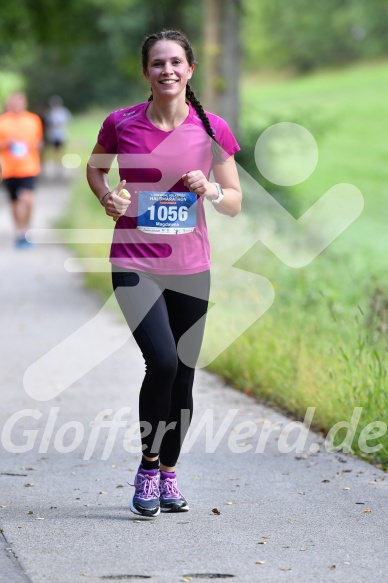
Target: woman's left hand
x=196 y=182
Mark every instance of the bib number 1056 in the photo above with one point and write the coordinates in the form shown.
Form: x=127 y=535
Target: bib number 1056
x=168 y=213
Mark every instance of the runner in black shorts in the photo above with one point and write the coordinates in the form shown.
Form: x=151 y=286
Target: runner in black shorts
x=21 y=135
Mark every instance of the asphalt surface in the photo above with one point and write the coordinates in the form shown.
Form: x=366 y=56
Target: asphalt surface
x=268 y=516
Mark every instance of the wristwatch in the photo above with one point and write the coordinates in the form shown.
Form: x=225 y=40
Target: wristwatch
x=220 y=194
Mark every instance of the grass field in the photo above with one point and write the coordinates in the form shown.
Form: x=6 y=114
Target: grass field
x=323 y=343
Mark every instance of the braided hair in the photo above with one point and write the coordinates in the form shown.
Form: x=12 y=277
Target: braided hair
x=180 y=38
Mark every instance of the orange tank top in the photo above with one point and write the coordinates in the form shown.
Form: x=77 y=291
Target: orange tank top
x=20 y=136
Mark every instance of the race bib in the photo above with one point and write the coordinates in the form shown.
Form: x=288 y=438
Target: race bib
x=167 y=213
x=18 y=149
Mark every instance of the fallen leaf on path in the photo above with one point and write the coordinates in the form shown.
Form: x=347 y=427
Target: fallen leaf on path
x=285 y=568
x=325 y=481
x=262 y=542
x=30 y=512
x=332 y=566
x=346 y=488
x=39 y=518
x=216 y=511
x=303 y=549
x=101 y=492
x=29 y=485
x=260 y=563
x=367 y=510
x=120 y=486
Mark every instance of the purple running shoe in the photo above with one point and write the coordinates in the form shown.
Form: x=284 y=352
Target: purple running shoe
x=171 y=498
x=145 y=501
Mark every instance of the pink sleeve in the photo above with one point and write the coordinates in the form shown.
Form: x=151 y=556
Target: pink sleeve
x=107 y=136
x=226 y=139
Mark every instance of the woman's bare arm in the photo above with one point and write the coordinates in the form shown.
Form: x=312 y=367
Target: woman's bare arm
x=97 y=172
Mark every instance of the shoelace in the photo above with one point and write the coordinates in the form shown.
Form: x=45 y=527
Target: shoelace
x=146 y=486
x=169 y=488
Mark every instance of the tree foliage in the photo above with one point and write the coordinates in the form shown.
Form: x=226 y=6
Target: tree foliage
x=305 y=35
x=89 y=51
x=86 y=51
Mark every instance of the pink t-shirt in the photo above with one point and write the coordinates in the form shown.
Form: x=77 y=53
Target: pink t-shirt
x=154 y=160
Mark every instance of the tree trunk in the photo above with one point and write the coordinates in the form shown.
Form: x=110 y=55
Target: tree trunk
x=222 y=55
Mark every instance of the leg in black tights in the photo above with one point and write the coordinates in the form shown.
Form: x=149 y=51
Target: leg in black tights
x=159 y=310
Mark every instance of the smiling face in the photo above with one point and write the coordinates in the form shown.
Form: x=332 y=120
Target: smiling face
x=168 y=70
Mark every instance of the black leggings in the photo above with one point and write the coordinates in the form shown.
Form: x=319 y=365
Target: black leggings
x=159 y=309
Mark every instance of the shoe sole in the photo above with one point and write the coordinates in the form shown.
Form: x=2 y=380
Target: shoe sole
x=175 y=509
x=146 y=513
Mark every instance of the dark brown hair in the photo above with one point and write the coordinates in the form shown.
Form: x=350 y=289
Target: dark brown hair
x=181 y=39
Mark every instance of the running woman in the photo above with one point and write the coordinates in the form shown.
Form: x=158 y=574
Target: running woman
x=166 y=149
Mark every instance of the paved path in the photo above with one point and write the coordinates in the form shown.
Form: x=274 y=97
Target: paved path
x=64 y=516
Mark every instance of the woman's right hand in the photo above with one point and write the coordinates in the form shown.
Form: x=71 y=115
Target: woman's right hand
x=115 y=206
